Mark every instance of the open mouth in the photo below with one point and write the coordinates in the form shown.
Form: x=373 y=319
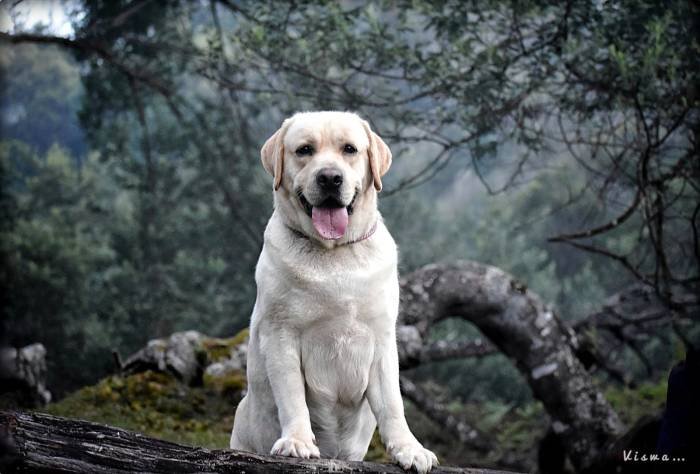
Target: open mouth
x=330 y=217
x=328 y=203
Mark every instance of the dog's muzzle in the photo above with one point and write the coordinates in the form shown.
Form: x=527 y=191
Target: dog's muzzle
x=330 y=215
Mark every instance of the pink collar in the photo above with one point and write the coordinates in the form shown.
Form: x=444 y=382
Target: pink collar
x=369 y=234
x=366 y=236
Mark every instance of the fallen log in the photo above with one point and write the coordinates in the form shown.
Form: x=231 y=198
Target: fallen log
x=35 y=442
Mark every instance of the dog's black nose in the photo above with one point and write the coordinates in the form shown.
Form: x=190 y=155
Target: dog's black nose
x=329 y=179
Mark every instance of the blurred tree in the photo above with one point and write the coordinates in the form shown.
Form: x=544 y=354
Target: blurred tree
x=41 y=91
x=611 y=86
x=51 y=265
x=180 y=212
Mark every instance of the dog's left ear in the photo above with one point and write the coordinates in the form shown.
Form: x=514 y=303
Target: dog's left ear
x=272 y=154
x=379 y=156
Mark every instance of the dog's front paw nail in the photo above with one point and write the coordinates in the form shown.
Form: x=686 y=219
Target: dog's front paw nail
x=296 y=448
x=413 y=455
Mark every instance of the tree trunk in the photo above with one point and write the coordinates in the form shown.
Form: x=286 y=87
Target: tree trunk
x=42 y=443
x=530 y=334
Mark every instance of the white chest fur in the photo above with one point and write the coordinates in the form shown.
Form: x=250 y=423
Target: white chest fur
x=336 y=357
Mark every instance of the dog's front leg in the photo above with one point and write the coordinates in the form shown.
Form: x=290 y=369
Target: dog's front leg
x=283 y=365
x=384 y=397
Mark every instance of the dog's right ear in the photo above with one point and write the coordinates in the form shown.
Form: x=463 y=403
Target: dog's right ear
x=272 y=154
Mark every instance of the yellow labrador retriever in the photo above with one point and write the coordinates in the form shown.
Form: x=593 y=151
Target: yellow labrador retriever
x=323 y=367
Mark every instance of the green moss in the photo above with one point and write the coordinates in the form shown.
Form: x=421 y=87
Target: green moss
x=155 y=404
x=631 y=404
x=218 y=349
x=241 y=337
x=376 y=451
x=159 y=405
x=229 y=384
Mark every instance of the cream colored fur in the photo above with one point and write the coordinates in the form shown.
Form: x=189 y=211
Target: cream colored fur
x=322 y=360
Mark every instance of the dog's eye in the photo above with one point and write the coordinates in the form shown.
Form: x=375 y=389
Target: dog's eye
x=349 y=149
x=305 y=150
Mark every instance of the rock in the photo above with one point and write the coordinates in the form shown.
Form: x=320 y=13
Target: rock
x=23 y=375
x=236 y=362
x=182 y=354
x=189 y=355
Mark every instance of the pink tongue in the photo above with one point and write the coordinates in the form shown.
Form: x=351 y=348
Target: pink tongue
x=330 y=222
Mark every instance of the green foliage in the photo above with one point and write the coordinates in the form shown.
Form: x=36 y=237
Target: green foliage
x=632 y=404
x=50 y=263
x=73 y=265
x=41 y=89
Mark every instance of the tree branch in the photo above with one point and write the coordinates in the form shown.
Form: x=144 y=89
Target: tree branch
x=607 y=253
x=443 y=350
x=89 y=46
x=529 y=333
x=35 y=442
x=414 y=350
x=603 y=228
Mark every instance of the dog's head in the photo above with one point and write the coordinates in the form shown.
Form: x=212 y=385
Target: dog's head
x=327 y=169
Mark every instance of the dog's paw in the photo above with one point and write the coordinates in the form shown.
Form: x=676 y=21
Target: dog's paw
x=296 y=448
x=413 y=455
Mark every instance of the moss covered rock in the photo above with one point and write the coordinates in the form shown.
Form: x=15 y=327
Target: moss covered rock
x=156 y=404
x=184 y=388
x=219 y=349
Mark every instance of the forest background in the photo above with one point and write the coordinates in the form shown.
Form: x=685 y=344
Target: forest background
x=558 y=142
